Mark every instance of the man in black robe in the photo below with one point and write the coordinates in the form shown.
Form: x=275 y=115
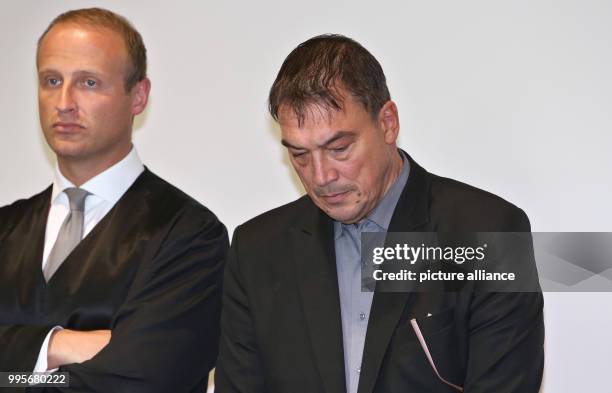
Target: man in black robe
x=111 y=274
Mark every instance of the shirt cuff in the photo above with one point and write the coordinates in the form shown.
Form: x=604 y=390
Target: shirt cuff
x=41 y=362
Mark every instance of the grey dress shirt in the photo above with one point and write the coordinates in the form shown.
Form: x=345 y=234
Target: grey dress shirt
x=354 y=304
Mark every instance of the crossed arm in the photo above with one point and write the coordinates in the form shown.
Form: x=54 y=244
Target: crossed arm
x=74 y=346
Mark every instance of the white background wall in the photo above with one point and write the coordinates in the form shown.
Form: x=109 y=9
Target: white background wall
x=514 y=97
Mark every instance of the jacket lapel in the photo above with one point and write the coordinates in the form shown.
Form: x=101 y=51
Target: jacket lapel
x=318 y=285
x=33 y=254
x=411 y=214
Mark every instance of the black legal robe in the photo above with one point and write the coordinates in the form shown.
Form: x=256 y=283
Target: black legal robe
x=150 y=271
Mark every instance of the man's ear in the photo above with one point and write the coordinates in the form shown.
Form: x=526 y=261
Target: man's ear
x=140 y=96
x=388 y=120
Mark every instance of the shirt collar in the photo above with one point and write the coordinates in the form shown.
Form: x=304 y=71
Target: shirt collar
x=108 y=185
x=383 y=212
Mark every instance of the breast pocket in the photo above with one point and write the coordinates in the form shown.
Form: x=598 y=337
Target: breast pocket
x=438 y=342
x=427 y=336
x=437 y=327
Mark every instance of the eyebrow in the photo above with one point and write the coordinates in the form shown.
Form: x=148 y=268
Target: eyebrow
x=78 y=73
x=332 y=139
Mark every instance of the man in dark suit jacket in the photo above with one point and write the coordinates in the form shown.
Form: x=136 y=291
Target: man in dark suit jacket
x=134 y=306
x=294 y=317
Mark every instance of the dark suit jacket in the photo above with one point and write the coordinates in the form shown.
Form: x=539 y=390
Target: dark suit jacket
x=150 y=271
x=281 y=326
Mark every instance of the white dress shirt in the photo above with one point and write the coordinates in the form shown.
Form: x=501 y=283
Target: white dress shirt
x=106 y=189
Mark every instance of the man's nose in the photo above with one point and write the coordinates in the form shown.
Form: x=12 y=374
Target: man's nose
x=324 y=171
x=66 y=104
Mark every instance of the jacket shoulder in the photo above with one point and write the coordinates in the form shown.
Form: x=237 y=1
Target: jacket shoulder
x=168 y=198
x=11 y=215
x=455 y=204
x=24 y=204
x=274 y=223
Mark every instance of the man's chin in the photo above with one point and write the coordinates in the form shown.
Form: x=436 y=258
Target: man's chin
x=69 y=151
x=343 y=215
x=345 y=211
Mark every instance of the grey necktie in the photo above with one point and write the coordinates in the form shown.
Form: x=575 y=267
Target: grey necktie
x=70 y=234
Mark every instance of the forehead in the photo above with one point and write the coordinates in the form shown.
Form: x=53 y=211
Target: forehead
x=69 y=44
x=319 y=123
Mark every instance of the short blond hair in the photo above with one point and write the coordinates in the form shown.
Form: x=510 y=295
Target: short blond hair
x=101 y=18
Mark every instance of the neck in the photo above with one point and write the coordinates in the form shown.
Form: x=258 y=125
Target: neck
x=80 y=170
x=395 y=170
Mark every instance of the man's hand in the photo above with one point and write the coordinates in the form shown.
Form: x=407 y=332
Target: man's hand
x=73 y=346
